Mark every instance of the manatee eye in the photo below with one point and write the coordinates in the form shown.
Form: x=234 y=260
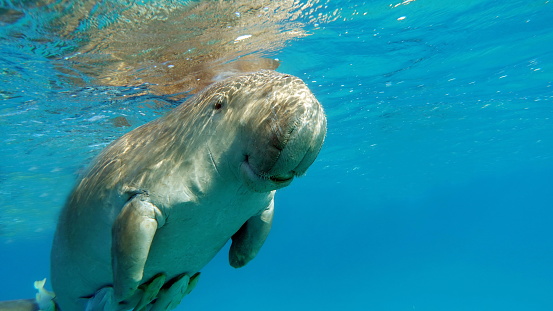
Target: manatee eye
x=219 y=103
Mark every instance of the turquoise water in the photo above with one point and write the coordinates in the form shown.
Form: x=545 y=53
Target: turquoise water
x=434 y=190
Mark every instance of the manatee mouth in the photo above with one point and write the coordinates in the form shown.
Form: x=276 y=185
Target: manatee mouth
x=282 y=178
x=279 y=179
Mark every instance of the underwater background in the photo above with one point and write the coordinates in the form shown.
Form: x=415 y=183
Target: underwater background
x=434 y=190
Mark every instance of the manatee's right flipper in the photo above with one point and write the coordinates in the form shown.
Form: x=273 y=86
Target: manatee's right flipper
x=132 y=234
x=171 y=295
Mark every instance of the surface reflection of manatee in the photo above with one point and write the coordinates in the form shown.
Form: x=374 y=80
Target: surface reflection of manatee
x=178 y=47
x=159 y=203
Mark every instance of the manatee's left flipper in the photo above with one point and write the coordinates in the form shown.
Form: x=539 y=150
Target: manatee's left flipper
x=247 y=241
x=169 y=298
x=132 y=234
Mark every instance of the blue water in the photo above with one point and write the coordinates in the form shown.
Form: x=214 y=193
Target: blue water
x=434 y=190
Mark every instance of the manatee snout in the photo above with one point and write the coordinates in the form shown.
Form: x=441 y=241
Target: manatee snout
x=301 y=143
x=295 y=130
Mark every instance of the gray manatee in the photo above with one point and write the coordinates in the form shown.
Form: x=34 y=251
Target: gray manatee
x=159 y=203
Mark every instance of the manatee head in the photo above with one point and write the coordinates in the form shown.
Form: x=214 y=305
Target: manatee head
x=264 y=128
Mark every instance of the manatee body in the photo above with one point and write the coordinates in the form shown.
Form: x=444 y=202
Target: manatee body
x=159 y=203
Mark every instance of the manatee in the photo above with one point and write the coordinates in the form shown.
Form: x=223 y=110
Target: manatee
x=161 y=201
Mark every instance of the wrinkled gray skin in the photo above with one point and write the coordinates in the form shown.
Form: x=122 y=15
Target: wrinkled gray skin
x=163 y=199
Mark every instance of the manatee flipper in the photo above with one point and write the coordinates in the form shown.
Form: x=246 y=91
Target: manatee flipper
x=247 y=241
x=132 y=234
x=169 y=298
